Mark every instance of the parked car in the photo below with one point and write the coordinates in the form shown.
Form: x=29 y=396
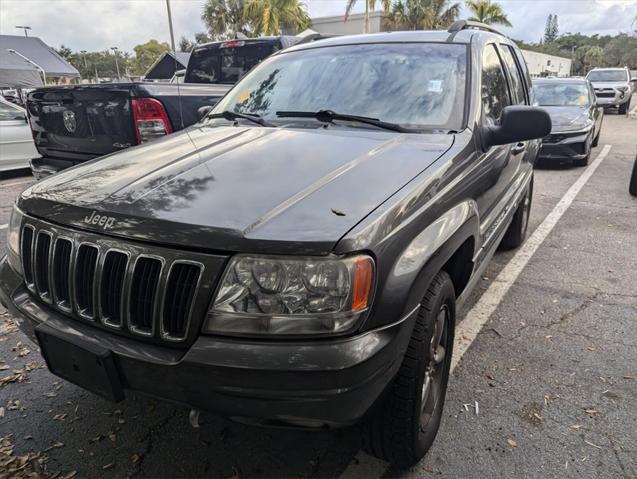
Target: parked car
x=76 y=123
x=613 y=87
x=16 y=143
x=576 y=117
x=296 y=258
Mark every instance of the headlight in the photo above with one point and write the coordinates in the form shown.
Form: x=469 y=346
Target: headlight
x=13 y=239
x=623 y=89
x=291 y=296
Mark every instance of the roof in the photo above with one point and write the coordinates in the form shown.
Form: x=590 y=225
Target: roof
x=560 y=80
x=398 y=37
x=37 y=51
x=181 y=57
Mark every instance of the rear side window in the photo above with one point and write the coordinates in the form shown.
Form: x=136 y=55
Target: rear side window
x=226 y=62
x=495 y=93
x=517 y=84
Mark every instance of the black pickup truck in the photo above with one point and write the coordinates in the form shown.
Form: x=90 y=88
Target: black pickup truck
x=73 y=124
x=297 y=257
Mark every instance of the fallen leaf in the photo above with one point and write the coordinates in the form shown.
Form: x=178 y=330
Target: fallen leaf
x=594 y=445
x=135 y=458
x=512 y=442
x=427 y=469
x=591 y=412
x=4 y=367
x=577 y=426
x=108 y=466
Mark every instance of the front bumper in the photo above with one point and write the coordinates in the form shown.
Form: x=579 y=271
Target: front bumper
x=564 y=147
x=606 y=100
x=320 y=383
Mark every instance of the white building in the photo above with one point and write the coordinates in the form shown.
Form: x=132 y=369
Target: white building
x=539 y=64
x=353 y=26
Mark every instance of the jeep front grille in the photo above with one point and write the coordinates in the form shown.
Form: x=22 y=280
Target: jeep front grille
x=150 y=292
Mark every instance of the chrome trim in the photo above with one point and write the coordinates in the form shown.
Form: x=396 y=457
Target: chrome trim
x=100 y=313
x=165 y=335
x=46 y=296
x=76 y=306
x=30 y=286
x=131 y=327
x=54 y=295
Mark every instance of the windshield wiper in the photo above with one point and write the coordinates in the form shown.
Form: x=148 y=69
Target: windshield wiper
x=234 y=115
x=328 y=116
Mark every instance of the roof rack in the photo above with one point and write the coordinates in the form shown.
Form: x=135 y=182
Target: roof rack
x=459 y=25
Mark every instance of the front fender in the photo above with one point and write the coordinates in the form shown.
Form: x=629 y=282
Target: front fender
x=425 y=255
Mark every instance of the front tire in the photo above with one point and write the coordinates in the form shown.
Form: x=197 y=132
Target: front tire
x=404 y=424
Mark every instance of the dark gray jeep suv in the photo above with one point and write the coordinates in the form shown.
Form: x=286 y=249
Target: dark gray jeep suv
x=297 y=257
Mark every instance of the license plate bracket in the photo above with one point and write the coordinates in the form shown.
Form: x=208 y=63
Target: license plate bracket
x=87 y=365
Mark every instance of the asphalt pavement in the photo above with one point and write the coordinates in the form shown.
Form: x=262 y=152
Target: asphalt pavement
x=547 y=388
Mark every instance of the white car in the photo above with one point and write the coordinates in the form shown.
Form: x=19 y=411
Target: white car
x=16 y=143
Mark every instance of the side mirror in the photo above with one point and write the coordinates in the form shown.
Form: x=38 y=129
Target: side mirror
x=519 y=123
x=203 y=111
x=633 y=79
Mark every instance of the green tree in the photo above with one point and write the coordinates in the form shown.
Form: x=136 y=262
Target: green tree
x=269 y=17
x=423 y=14
x=370 y=6
x=594 y=57
x=65 y=52
x=146 y=54
x=224 y=18
x=488 y=12
x=551 y=29
x=186 y=45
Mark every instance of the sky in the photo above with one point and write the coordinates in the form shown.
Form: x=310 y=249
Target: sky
x=101 y=24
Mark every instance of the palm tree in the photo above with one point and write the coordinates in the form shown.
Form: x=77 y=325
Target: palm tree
x=423 y=14
x=268 y=17
x=488 y=12
x=224 y=18
x=370 y=6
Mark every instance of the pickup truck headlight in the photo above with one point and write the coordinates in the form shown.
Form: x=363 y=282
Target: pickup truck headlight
x=13 y=239
x=291 y=296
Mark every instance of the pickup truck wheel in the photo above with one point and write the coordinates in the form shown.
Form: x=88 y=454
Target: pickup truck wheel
x=404 y=424
x=514 y=236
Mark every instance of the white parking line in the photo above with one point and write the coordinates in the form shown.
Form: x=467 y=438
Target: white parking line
x=3 y=226
x=23 y=182
x=364 y=466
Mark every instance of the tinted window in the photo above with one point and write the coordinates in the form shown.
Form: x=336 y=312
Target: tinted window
x=10 y=112
x=562 y=94
x=608 y=75
x=226 y=62
x=495 y=93
x=417 y=85
x=517 y=84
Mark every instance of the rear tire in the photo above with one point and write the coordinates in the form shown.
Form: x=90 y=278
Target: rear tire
x=404 y=423
x=633 y=180
x=516 y=232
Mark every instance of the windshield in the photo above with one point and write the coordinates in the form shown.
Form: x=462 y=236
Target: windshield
x=415 y=85
x=561 y=94
x=226 y=62
x=608 y=75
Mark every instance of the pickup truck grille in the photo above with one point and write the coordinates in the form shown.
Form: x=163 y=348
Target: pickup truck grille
x=152 y=293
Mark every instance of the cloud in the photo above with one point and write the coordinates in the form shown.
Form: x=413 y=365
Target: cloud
x=101 y=24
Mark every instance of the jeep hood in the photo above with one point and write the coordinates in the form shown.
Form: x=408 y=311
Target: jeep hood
x=239 y=188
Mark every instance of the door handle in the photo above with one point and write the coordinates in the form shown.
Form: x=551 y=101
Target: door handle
x=518 y=148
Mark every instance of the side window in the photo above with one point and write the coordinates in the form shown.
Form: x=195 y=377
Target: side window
x=525 y=72
x=495 y=93
x=9 y=112
x=517 y=84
